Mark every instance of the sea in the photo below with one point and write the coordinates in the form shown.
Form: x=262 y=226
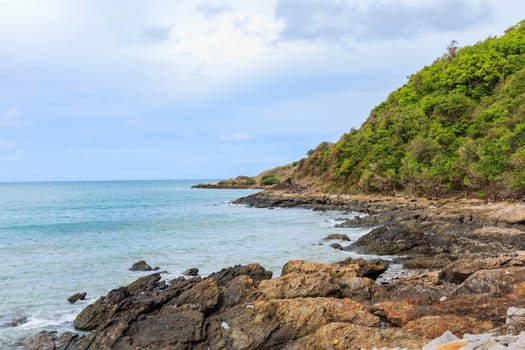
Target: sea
x=62 y=238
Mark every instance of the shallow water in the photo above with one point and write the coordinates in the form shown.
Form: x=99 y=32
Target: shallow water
x=57 y=239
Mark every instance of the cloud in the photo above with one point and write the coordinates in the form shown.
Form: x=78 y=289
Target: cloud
x=235 y=137
x=375 y=19
x=12 y=118
x=156 y=35
x=17 y=155
x=211 y=9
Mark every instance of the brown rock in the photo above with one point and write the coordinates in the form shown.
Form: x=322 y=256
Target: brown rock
x=348 y=336
x=203 y=296
x=270 y=324
x=239 y=290
x=458 y=271
x=360 y=289
x=347 y=268
x=295 y=285
x=495 y=282
x=434 y=326
x=397 y=313
x=40 y=341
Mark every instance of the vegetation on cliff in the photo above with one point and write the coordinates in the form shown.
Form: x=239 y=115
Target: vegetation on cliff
x=457 y=125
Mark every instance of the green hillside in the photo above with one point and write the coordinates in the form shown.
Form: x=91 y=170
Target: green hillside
x=456 y=126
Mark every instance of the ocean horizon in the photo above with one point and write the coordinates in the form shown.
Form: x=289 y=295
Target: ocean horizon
x=59 y=238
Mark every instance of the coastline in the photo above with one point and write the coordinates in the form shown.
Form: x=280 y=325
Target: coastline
x=470 y=273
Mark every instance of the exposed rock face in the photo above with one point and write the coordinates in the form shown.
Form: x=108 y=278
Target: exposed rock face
x=391 y=239
x=347 y=268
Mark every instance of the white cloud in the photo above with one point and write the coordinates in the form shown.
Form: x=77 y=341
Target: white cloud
x=235 y=137
x=12 y=118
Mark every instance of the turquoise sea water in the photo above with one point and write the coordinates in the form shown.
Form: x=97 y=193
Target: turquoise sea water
x=57 y=239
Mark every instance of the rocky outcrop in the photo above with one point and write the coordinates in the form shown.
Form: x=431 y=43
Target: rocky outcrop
x=141 y=265
x=347 y=268
x=76 y=297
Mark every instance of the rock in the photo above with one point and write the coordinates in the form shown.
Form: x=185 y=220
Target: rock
x=391 y=239
x=64 y=341
x=366 y=268
x=255 y=271
x=397 y=313
x=494 y=282
x=203 y=296
x=337 y=335
x=446 y=337
x=141 y=265
x=273 y=323
x=41 y=341
x=241 y=289
x=347 y=268
x=458 y=271
x=336 y=246
x=119 y=303
x=76 y=297
x=193 y=271
x=337 y=236
x=360 y=289
x=433 y=326
x=515 y=320
x=177 y=329
x=14 y=320
x=296 y=285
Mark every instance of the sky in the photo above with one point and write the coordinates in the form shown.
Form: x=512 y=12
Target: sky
x=180 y=89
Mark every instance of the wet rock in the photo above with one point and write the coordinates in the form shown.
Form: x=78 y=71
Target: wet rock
x=141 y=265
x=76 y=297
x=337 y=236
x=193 y=271
x=14 y=320
x=336 y=246
x=348 y=336
x=42 y=341
x=255 y=271
x=203 y=296
x=65 y=340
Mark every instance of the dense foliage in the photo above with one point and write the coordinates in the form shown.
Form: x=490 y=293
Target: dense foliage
x=457 y=125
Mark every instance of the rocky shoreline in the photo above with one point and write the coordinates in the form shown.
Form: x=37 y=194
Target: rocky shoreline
x=466 y=276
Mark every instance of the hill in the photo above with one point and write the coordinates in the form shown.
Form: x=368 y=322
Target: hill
x=456 y=126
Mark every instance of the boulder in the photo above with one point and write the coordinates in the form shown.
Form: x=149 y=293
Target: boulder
x=203 y=296
x=337 y=236
x=366 y=268
x=336 y=246
x=241 y=289
x=141 y=265
x=76 y=297
x=193 y=271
